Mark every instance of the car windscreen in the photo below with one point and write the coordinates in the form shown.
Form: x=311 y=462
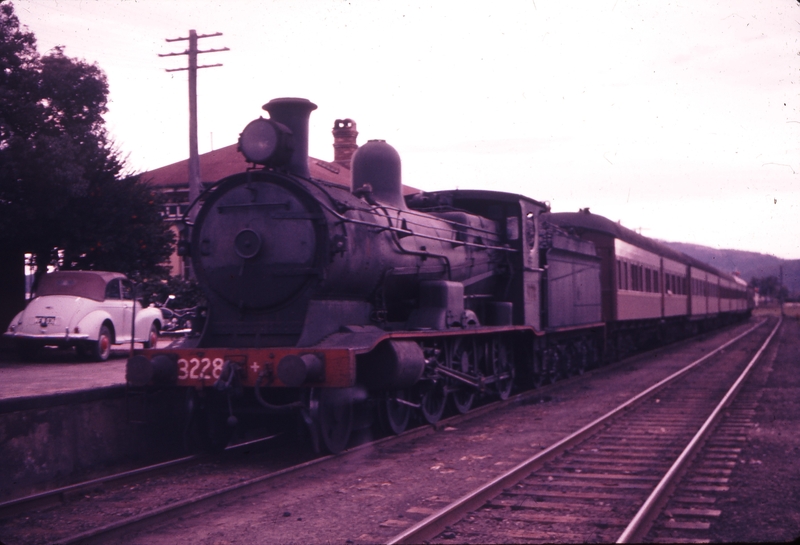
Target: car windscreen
x=91 y=286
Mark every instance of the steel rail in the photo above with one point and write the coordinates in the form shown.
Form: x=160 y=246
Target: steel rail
x=142 y=520
x=650 y=509
x=166 y=512
x=175 y=509
x=436 y=523
x=18 y=505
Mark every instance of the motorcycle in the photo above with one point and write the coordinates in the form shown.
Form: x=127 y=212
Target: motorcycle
x=178 y=321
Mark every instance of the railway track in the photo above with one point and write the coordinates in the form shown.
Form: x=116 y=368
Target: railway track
x=56 y=496
x=243 y=485
x=64 y=495
x=611 y=479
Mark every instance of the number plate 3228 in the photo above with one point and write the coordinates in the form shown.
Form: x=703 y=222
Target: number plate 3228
x=200 y=368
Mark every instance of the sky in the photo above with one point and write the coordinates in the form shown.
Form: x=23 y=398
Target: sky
x=677 y=118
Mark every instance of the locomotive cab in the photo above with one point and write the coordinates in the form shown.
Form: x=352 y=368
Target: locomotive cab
x=517 y=276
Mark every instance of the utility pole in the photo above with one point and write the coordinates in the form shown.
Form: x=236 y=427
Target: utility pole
x=194 y=157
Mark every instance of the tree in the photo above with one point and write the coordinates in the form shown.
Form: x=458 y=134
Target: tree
x=63 y=195
x=117 y=226
x=770 y=286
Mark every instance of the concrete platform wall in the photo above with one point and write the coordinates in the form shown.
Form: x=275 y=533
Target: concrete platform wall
x=59 y=439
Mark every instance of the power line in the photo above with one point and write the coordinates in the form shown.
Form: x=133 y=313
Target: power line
x=192 y=52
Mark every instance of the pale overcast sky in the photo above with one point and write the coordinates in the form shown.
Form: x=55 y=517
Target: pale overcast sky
x=677 y=118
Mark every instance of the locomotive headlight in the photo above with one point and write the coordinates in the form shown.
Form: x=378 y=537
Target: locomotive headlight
x=266 y=142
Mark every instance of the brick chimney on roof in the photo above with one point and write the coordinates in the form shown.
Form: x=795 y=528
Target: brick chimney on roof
x=344 y=141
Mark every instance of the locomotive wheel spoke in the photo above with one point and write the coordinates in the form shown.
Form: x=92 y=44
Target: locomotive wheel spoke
x=432 y=393
x=503 y=368
x=462 y=359
x=334 y=418
x=433 y=402
x=463 y=399
x=395 y=415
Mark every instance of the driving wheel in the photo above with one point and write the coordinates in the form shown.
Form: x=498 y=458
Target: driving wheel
x=395 y=414
x=434 y=399
x=461 y=359
x=332 y=412
x=503 y=368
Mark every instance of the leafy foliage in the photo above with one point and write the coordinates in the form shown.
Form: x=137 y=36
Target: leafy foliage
x=770 y=286
x=63 y=195
x=186 y=291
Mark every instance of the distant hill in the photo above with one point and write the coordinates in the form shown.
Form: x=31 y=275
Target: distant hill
x=748 y=264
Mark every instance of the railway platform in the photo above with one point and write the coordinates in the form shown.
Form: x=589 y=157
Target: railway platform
x=31 y=381
x=57 y=372
x=62 y=419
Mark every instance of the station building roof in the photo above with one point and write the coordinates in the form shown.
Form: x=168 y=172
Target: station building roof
x=226 y=161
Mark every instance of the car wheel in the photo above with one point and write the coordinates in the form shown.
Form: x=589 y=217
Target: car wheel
x=101 y=349
x=152 y=337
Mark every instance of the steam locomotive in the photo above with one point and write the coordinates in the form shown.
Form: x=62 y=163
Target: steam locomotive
x=323 y=299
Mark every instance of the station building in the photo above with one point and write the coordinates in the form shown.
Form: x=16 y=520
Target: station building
x=173 y=180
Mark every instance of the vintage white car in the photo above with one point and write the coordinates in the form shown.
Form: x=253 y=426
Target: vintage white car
x=90 y=310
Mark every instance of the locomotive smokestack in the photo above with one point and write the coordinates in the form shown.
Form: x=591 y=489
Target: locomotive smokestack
x=294 y=114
